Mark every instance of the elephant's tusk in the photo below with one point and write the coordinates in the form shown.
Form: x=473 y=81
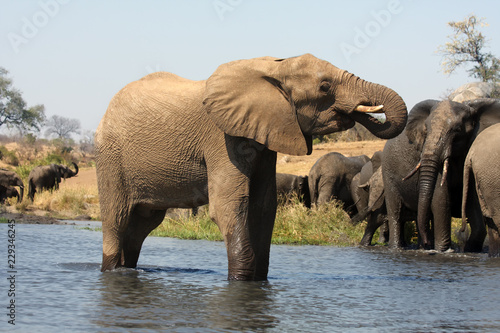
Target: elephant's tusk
x=445 y=171
x=369 y=109
x=412 y=172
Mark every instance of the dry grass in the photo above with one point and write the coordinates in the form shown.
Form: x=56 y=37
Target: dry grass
x=65 y=203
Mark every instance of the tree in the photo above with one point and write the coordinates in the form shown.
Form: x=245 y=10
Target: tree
x=13 y=109
x=467 y=47
x=62 y=127
x=87 y=142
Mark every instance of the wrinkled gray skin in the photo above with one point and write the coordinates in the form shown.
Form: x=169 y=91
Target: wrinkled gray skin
x=292 y=185
x=48 y=177
x=8 y=192
x=436 y=138
x=10 y=178
x=330 y=178
x=168 y=142
x=481 y=191
x=367 y=190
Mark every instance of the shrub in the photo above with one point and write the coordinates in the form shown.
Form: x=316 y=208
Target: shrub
x=8 y=157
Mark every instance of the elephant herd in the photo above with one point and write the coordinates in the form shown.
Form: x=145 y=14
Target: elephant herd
x=168 y=142
x=444 y=164
x=42 y=177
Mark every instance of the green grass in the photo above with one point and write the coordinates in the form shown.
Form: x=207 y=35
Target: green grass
x=192 y=227
x=294 y=224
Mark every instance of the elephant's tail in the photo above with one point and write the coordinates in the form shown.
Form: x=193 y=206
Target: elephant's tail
x=466 y=182
x=313 y=189
x=31 y=189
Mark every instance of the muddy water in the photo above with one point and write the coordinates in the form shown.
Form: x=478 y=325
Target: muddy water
x=180 y=286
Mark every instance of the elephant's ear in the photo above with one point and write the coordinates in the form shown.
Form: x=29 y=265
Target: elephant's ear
x=487 y=111
x=246 y=98
x=415 y=128
x=376 y=196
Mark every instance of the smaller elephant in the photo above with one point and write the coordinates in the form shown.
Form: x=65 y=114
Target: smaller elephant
x=367 y=189
x=330 y=177
x=48 y=177
x=9 y=192
x=10 y=178
x=482 y=177
x=291 y=185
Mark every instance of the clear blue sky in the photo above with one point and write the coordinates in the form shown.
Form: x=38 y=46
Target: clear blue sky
x=73 y=55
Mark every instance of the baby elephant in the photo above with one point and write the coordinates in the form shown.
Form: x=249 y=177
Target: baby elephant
x=367 y=189
x=288 y=185
x=331 y=176
x=9 y=192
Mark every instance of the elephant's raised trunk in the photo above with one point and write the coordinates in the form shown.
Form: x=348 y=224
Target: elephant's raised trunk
x=427 y=182
x=382 y=99
x=76 y=169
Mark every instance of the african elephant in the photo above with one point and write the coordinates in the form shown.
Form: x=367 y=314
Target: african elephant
x=166 y=142
x=482 y=176
x=48 y=177
x=330 y=177
x=9 y=192
x=367 y=190
x=287 y=184
x=423 y=167
x=10 y=178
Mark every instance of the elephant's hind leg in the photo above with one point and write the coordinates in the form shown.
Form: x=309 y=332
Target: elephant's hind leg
x=114 y=221
x=142 y=222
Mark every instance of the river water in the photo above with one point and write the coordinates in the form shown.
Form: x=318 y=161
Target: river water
x=180 y=286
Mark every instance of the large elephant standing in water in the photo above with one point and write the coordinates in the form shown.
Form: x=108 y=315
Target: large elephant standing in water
x=423 y=169
x=169 y=142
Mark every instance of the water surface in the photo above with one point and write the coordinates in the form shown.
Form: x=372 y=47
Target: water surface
x=180 y=286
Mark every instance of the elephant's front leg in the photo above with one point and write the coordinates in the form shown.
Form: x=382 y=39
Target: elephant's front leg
x=395 y=221
x=242 y=201
x=441 y=212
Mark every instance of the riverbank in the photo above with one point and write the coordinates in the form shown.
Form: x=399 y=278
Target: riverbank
x=77 y=199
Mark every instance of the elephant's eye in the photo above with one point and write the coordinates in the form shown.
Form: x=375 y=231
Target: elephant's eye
x=325 y=86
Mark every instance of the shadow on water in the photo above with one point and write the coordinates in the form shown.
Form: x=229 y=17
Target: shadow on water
x=168 y=298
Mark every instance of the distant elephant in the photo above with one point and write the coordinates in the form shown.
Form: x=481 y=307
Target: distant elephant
x=9 y=192
x=287 y=184
x=330 y=178
x=482 y=177
x=367 y=190
x=423 y=170
x=167 y=142
x=48 y=177
x=10 y=178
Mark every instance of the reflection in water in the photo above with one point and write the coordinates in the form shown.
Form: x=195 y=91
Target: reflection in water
x=141 y=299
x=242 y=306
x=135 y=299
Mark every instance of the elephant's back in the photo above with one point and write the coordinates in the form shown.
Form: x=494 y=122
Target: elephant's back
x=160 y=106
x=155 y=97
